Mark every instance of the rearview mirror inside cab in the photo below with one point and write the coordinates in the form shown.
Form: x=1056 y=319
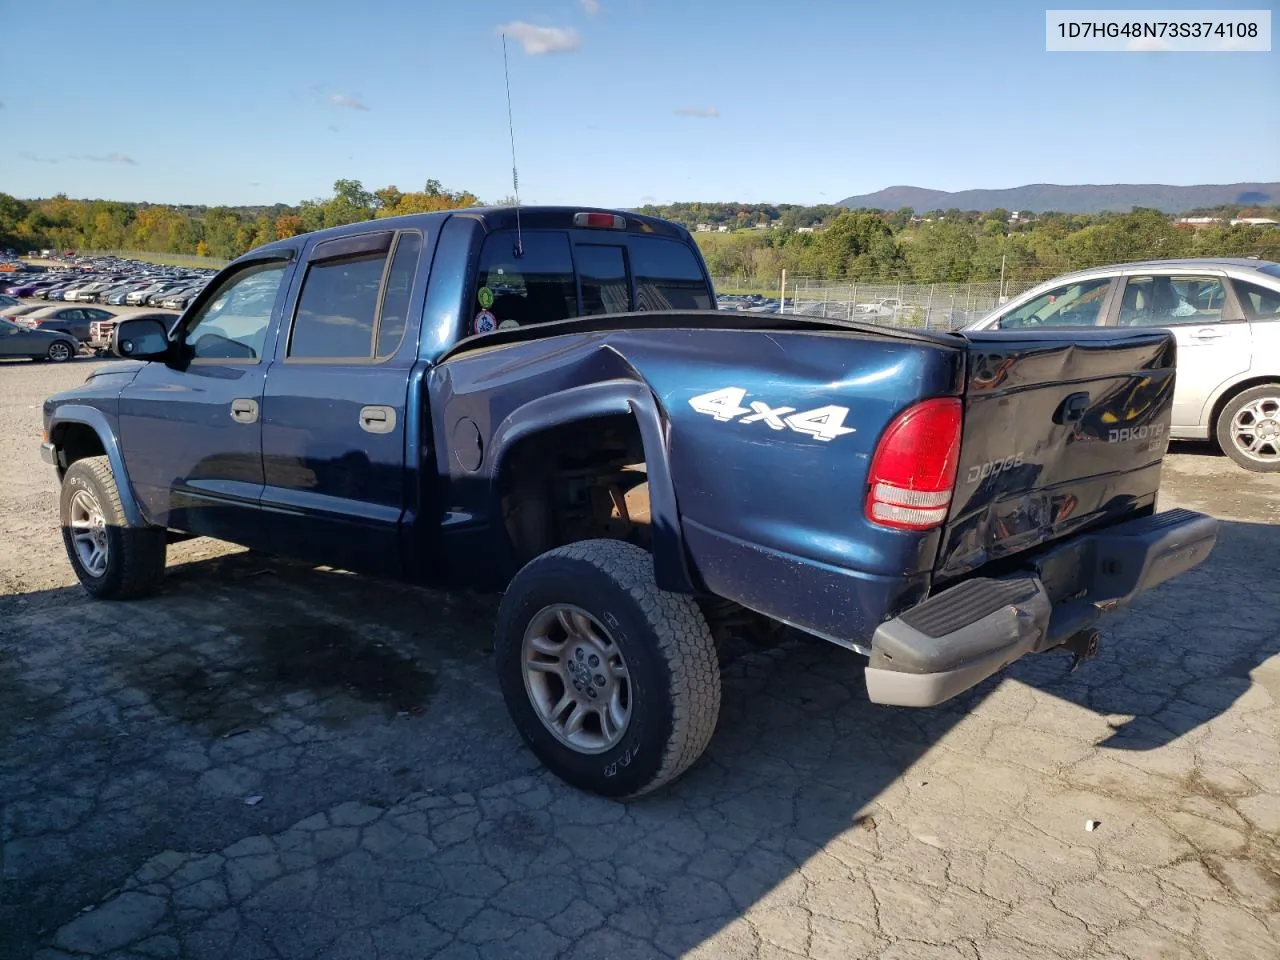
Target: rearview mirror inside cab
x=142 y=339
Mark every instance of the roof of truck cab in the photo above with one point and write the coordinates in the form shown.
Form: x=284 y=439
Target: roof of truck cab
x=493 y=218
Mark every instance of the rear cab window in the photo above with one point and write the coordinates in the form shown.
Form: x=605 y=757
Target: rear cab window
x=562 y=274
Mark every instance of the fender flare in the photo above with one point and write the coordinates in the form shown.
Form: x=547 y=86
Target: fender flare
x=608 y=398
x=96 y=420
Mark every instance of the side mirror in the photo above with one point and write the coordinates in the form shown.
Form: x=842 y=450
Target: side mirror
x=142 y=339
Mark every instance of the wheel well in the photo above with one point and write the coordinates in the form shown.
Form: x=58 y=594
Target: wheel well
x=75 y=441
x=1230 y=395
x=587 y=480
x=578 y=481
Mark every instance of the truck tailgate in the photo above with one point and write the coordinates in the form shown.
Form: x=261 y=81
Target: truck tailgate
x=1063 y=430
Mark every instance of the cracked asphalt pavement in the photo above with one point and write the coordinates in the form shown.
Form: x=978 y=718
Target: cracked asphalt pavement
x=274 y=761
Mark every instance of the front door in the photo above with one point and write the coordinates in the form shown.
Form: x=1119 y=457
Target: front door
x=334 y=410
x=1214 y=341
x=16 y=341
x=192 y=439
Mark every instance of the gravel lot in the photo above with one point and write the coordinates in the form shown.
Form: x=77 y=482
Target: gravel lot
x=279 y=762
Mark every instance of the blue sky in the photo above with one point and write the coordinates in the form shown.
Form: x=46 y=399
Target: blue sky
x=805 y=101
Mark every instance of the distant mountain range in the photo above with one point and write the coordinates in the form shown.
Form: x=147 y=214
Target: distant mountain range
x=1080 y=198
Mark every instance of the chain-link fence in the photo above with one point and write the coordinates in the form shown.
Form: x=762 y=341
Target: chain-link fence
x=928 y=306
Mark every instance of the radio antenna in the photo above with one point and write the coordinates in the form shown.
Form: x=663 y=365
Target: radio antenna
x=511 y=129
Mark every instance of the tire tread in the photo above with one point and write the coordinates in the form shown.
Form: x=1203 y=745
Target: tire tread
x=141 y=550
x=683 y=640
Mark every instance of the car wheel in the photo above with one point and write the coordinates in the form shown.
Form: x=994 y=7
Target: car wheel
x=112 y=561
x=1248 y=428
x=612 y=682
x=59 y=352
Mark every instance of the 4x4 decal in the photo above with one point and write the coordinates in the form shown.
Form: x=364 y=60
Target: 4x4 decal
x=725 y=405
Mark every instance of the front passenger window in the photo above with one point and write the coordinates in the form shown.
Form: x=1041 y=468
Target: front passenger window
x=1076 y=304
x=232 y=325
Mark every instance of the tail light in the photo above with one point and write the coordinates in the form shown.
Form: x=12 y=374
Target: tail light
x=913 y=472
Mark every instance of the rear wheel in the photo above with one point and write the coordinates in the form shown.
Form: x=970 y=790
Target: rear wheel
x=111 y=560
x=59 y=352
x=612 y=682
x=1248 y=428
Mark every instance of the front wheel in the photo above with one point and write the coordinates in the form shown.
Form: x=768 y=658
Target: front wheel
x=111 y=560
x=612 y=682
x=59 y=352
x=1248 y=428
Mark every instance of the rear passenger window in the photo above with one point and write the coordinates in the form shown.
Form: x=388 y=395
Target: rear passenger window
x=337 y=308
x=395 y=302
x=668 y=276
x=1164 y=301
x=603 y=274
x=538 y=287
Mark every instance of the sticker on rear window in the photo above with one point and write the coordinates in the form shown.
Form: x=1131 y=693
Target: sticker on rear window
x=485 y=297
x=486 y=322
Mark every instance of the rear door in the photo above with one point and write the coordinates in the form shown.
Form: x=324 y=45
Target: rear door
x=334 y=410
x=72 y=320
x=1062 y=430
x=1215 y=343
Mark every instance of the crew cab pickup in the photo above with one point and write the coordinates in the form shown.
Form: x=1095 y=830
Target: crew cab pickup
x=545 y=402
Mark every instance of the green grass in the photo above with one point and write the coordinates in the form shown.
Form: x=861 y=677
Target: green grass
x=741 y=288
x=161 y=259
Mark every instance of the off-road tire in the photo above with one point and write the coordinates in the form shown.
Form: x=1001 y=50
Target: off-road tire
x=670 y=657
x=1222 y=429
x=135 y=555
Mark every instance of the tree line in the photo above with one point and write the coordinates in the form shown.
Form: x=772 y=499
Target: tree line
x=875 y=246
x=220 y=232
x=822 y=241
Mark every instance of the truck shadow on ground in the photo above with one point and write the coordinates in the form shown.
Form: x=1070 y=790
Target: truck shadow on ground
x=127 y=730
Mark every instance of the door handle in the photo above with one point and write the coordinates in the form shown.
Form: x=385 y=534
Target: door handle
x=1072 y=409
x=377 y=419
x=1207 y=333
x=244 y=411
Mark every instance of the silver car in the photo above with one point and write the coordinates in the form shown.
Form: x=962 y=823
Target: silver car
x=1225 y=315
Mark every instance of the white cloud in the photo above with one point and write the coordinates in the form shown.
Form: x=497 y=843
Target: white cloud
x=1149 y=45
x=106 y=158
x=705 y=113
x=539 y=40
x=33 y=158
x=591 y=6
x=351 y=103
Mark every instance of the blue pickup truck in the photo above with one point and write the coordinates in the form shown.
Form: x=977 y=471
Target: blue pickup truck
x=545 y=402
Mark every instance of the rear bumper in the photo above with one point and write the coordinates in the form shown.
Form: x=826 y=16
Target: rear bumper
x=965 y=634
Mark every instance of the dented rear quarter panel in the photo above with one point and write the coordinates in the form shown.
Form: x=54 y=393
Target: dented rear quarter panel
x=767 y=515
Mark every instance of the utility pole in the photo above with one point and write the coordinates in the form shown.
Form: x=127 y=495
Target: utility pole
x=782 y=300
x=1000 y=297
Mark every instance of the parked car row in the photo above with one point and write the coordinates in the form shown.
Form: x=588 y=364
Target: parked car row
x=109 y=280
